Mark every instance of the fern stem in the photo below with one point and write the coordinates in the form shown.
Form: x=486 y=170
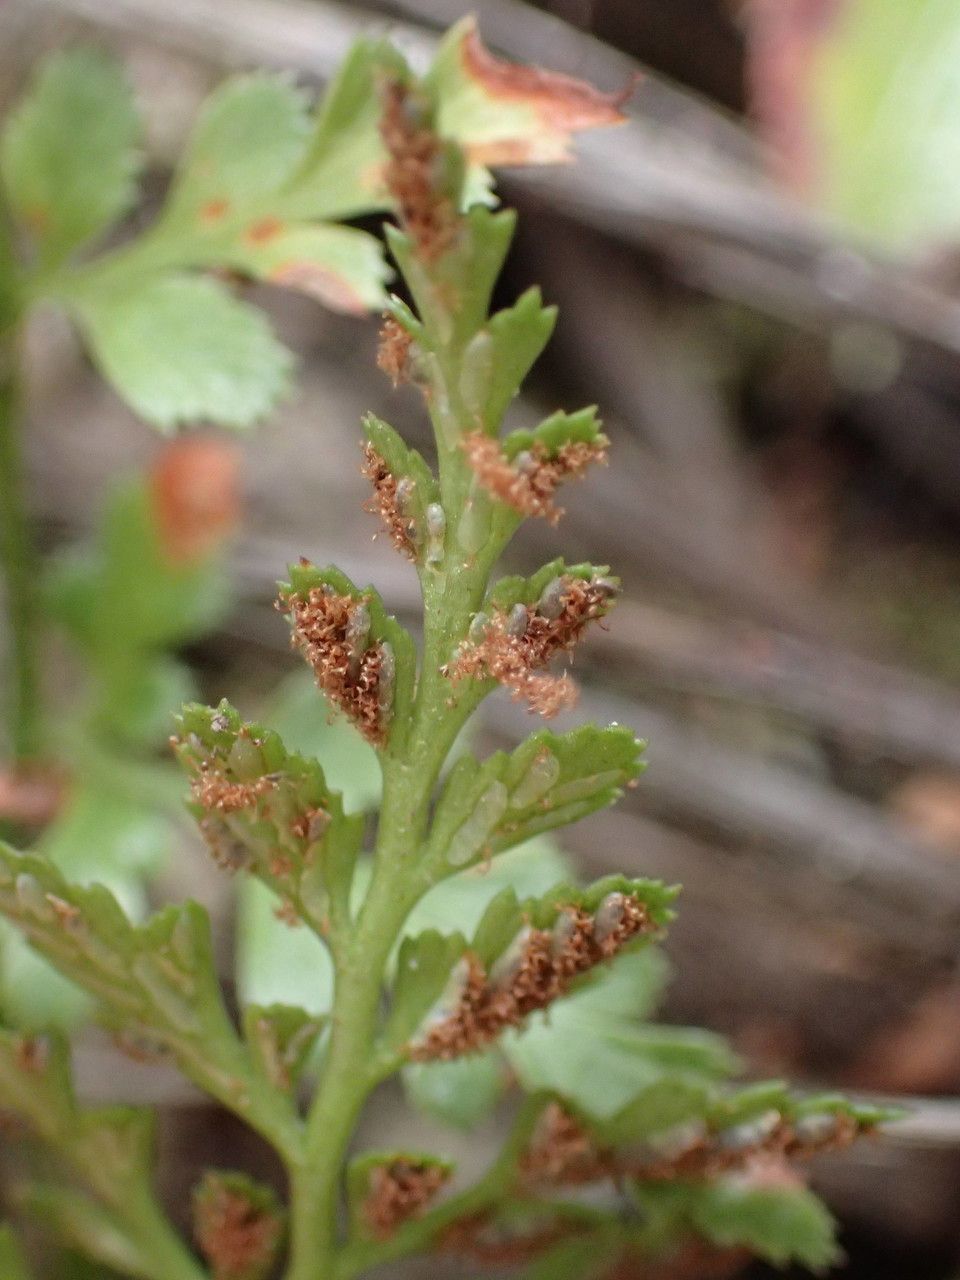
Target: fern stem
x=451 y=593
x=345 y=1084
x=352 y=1068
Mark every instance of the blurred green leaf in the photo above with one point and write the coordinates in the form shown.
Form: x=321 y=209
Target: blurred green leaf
x=341 y=267
x=678 y=1096
x=306 y=722
x=106 y=835
x=499 y=112
x=594 y=1049
x=68 y=153
x=581 y=1259
x=33 y=994
x=886 y=101
x=277 y=963
x=116 y=1220
x=248 y=139
x=139 y=697
x=124 y=593
x=114 y=1143
x=342 y=171
x=112 y=1146
x=13 y=1264
x=82 y=1224
x=460 y=901
x=124 y=601
x=693 y=1112
x=229 y=205
x=157 y=979
x=73 y=1266
x=460 y=1093
x=861 y=110
x=103 y=835
x=781 y=1224
x=180 y=349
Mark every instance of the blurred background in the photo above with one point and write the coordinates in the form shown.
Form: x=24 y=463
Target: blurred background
x=759 y=284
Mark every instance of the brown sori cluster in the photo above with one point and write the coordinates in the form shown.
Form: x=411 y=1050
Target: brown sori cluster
x=237 y=1237
x=387 y=502
x=393 y=351
x=398 y=1191
x=412 y=171
x=537 y=970
x=212 y=789
x=530 y=481
x=311 y=824
x=331 y=631
x=563 y=1153
x=513 y=646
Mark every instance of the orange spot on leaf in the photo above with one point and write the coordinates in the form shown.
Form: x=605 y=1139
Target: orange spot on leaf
x=193 y=492
x=264 y=231
x=564 y=104
x=214 y=210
